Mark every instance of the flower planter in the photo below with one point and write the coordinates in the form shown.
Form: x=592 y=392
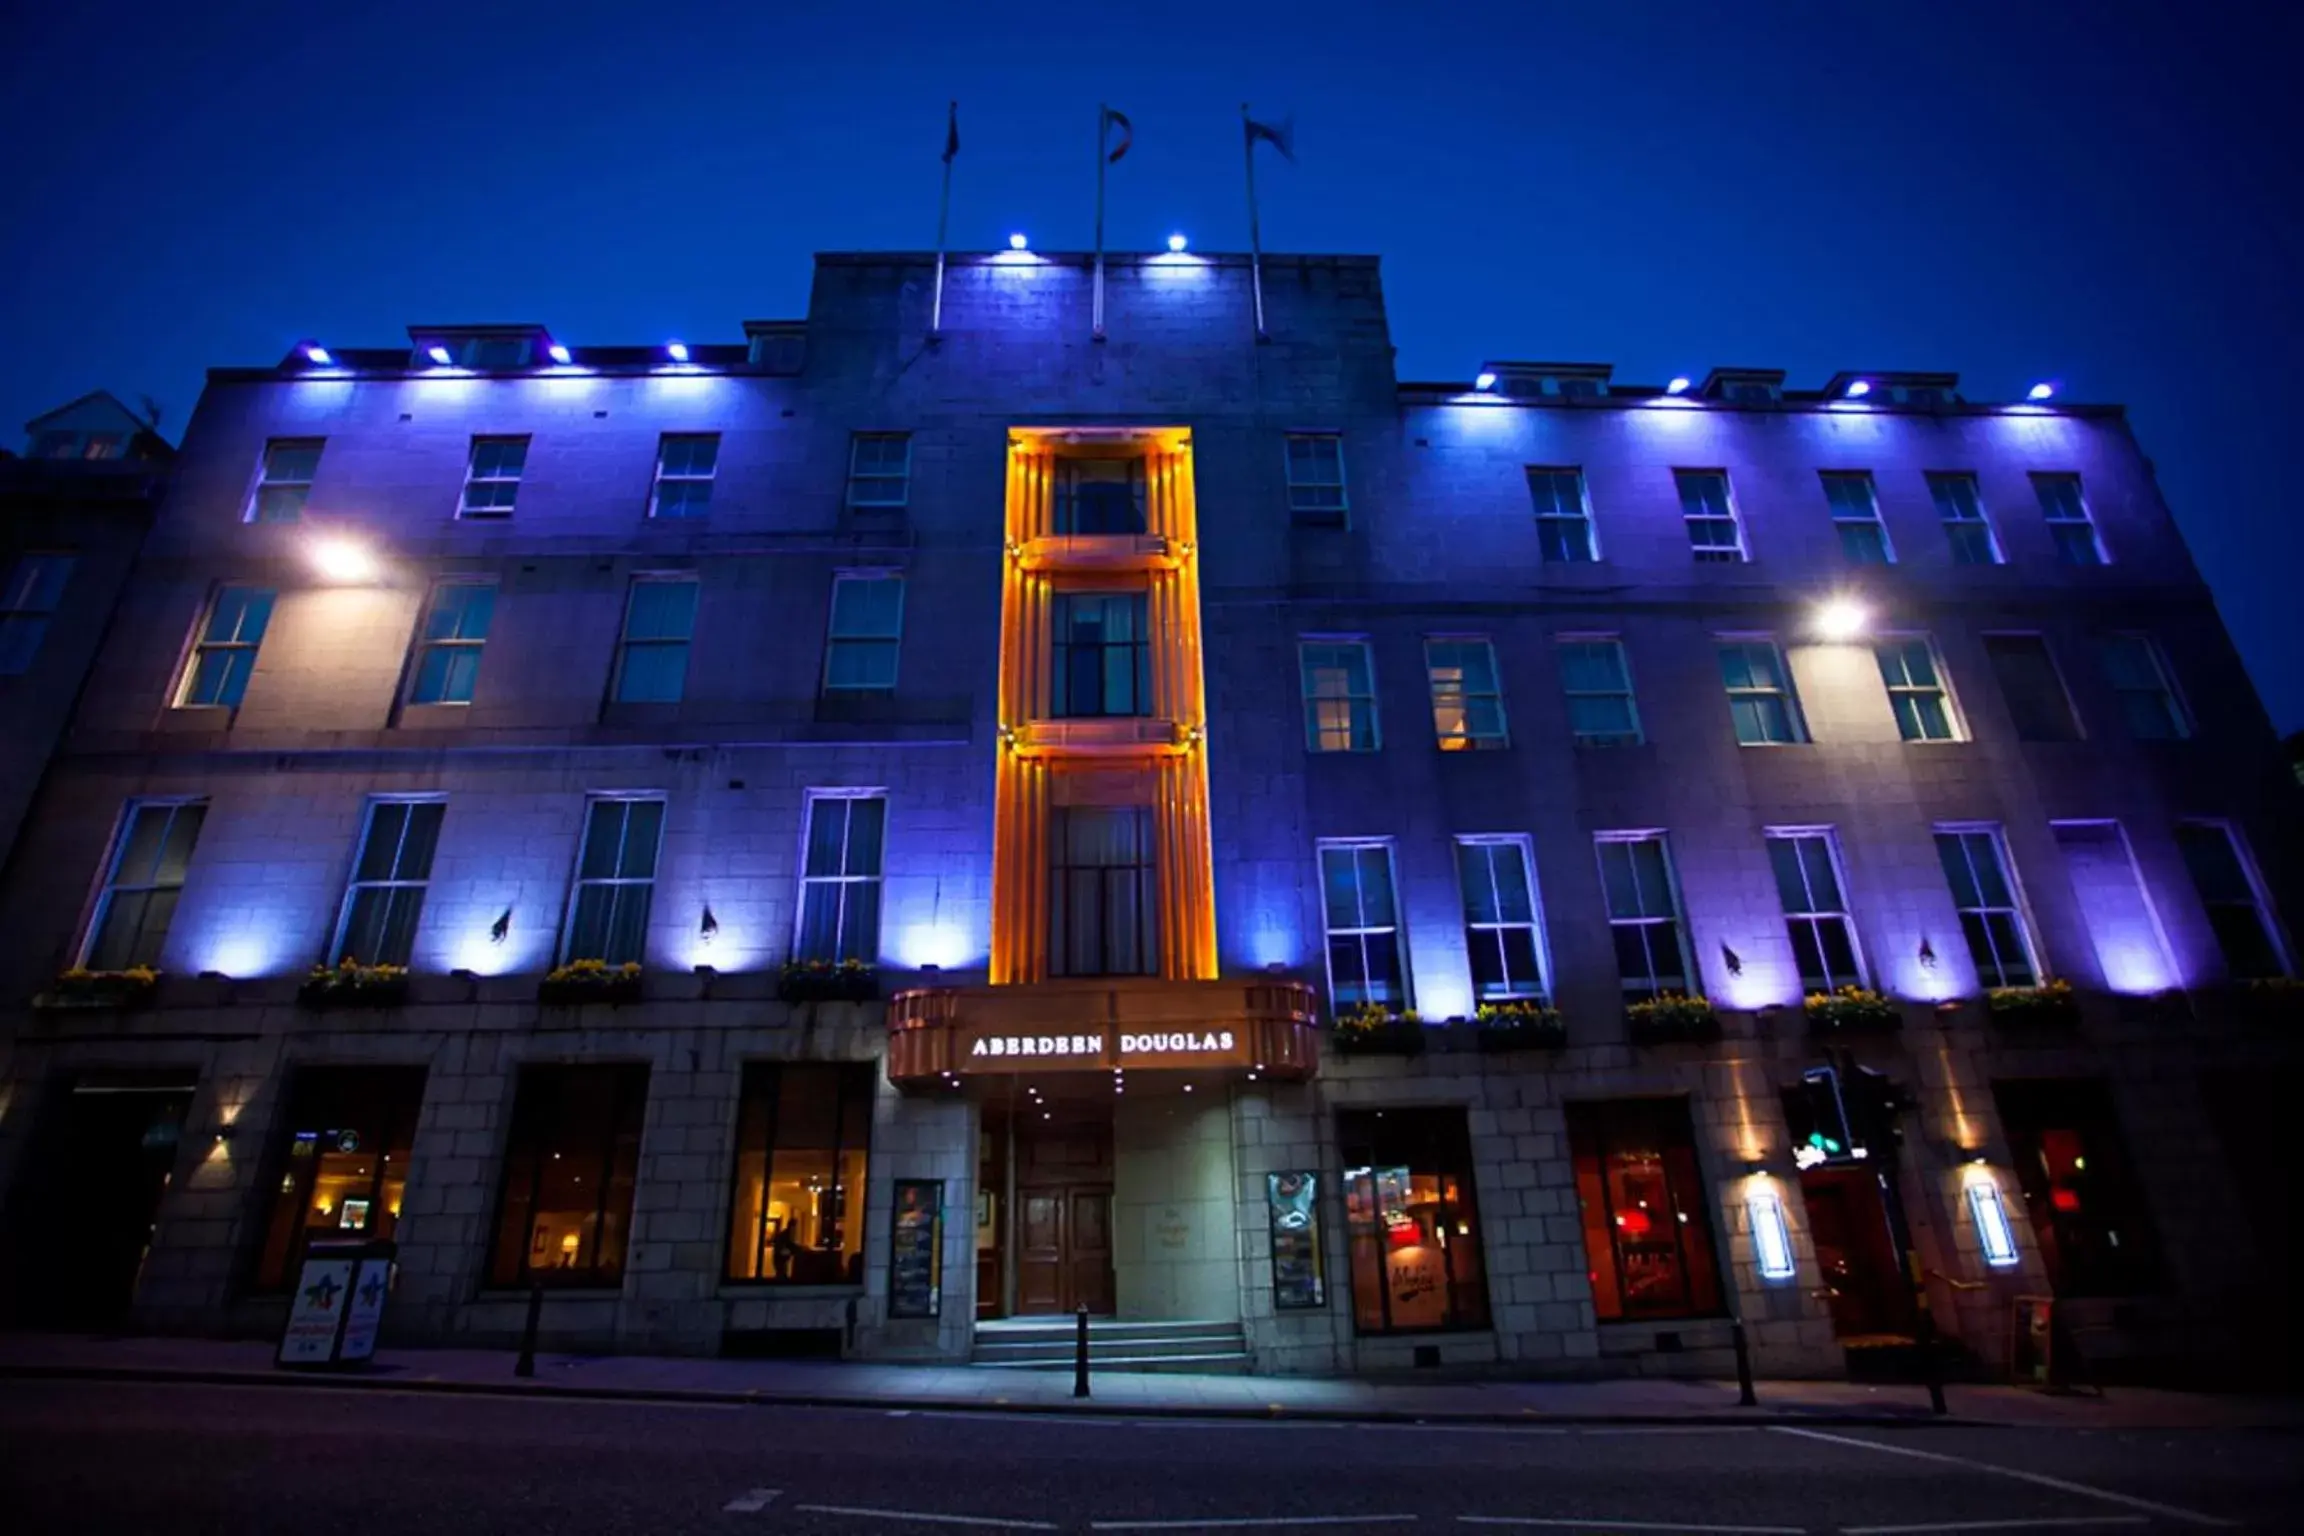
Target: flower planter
x=354 y=986
x=1498 y=1030
x=1672 y=1020
x=101 y=990
x=2050 y=1008
x=589 y=981
x=1399 y=1037
x=1851 y=1011
x=844 y=983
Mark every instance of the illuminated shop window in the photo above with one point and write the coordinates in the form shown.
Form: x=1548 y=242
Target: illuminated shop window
x=1363 y=922
x=1715 y=535
x=1413 y=1220
x=2238 y=913
x=1103 y=892
x=29 y=598
x=1598 y=681
x=797 y=1216
x=565 y=1215
x=659 y=627
x=225 y=654
x=1966 y=528
x=1856 y=517
x=840 y=882
x=1643 y=913
x=1914 y=679
x=2080 y=1189
x=142 y=885
x=1101 y=656
x=1339 y=695
x=492 y=480
x=685 y=465
x=388 y=882
x=284 y=480
x=615 y=882
x=1467 y=699
x=1563 y=516
x=879 y=471
x=2038 y=705
x=2139 y=676
x=1501 y=930
x=1100 y=496
x=1999 y=941
x=2069 y=521
x=1808 y=884
x=1647 y=1229
x=340 y=1161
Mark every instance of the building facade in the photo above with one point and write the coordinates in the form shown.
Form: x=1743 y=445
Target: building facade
x=854 y=841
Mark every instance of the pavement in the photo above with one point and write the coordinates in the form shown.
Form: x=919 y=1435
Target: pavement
x=191 y=1458
x=1141 y=1395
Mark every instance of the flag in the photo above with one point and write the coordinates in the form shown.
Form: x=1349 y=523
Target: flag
x=952 y=134
x=1281 y=136
x=1127 y=129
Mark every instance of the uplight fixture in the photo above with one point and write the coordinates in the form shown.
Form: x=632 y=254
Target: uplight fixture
x=317 y=353
x=1859 y=389
x=340 y=559
x=1017 y=242
x=438 y=354
x=1841 y=618
x=1485 y=382
x=1177 y=243
x=558 y=352
x=1678 y=386
x=676 y=350
x=2040 y=391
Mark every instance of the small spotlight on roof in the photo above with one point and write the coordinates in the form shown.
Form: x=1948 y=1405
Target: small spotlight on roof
x=1678 y=386
x=438 y=354
x=676 y=350
x=1017 y=242
x=558 y=352
x=1841 y=618
x=1177 y=242
x=2040 y=391
x=1485 y=381
x=318 y=354
x=342 y=560
x=1859 y=389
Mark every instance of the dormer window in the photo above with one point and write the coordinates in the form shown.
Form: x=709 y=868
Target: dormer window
x=1548 y=381
x=1750 y=392
x=477 y=349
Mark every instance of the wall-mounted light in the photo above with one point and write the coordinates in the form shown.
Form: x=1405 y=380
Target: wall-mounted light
x=1771 y=1239
x=439 y=355
x=676 y=350
x=1484 y=382
x=1679 y=386
x=557 y=352
x=316 y=353
x=2040 y=391
x=1177 y=243
x=335 y=558
x=1017 y=242
x=1840 y=618
x=1858 y=389
x=709 y=928
x=500 y=929
x=1993 y=1232
x=1927 y=954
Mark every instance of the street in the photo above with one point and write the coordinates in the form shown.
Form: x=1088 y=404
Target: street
x=112 y=1457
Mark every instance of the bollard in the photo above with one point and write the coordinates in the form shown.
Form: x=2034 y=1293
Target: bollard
x=1080 y=1355
x=526 y=1365
x=1745 y=1396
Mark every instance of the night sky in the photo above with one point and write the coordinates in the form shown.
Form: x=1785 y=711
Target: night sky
x=2104 y=192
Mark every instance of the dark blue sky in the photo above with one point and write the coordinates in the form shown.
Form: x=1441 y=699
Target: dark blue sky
x=2102 y=191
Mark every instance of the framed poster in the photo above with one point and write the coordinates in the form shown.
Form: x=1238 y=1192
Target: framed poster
x=1293 y=1202
x=916 y=1249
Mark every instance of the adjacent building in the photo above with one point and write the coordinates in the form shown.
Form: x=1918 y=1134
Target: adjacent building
x=856 y=840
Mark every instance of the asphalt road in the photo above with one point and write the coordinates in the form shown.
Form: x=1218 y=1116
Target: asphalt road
x=178 y=1460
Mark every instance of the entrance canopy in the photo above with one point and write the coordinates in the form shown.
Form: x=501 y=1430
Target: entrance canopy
x=945 y=1036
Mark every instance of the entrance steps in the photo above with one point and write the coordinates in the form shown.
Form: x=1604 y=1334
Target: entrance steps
x=1045 y=1344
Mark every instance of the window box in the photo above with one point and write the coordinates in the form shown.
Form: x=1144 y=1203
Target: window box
x=1519 y=1027
x=1674 y=1018
x=2049 y=1007
x=81 y=988
x=1851 y=1010
x=824 y=981
x=1370 y=1030
x=590 y=981
x=349 y=984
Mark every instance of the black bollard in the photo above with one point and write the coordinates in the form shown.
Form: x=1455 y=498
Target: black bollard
x=1080 y=1355
x=526 y=1365
x=1744 y=1393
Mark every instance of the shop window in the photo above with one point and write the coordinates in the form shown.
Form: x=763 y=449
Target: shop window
x=565 y=1216
x=801 y=1138
x=1647 y=1226
x=342 y=1160
x=1415 y=1226
x=2079 y=1188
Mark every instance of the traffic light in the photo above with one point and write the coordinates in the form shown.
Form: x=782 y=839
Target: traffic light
x=1819 y=1119
x=1872 y=1104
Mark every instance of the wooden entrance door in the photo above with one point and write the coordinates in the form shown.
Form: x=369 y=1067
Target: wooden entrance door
x=1849 y=1224
x=1064 y=1216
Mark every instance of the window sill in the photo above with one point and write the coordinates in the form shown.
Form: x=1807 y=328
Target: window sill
x=433 y=717
x=196 y=719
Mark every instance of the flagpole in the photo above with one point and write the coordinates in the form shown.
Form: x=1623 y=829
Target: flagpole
x=943 y=220
x=1255 y=239
x=1103 y=124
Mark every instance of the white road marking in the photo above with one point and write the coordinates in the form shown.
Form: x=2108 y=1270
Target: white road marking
x=923 y=1517
x=2055 y=1522
x=1634 y=1525
x=1218 y=1522
x=750 y=1503
x=2038 y=1479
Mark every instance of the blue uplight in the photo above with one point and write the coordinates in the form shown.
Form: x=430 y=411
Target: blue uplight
x=439 y=356
x=1859 y=389
x=1177 y=243
x=676 y=350
x=1678 y=386
x=2040 y=391
x=1017 y=242
x=559 y=353
x=1484 y=382
x=318 y=354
